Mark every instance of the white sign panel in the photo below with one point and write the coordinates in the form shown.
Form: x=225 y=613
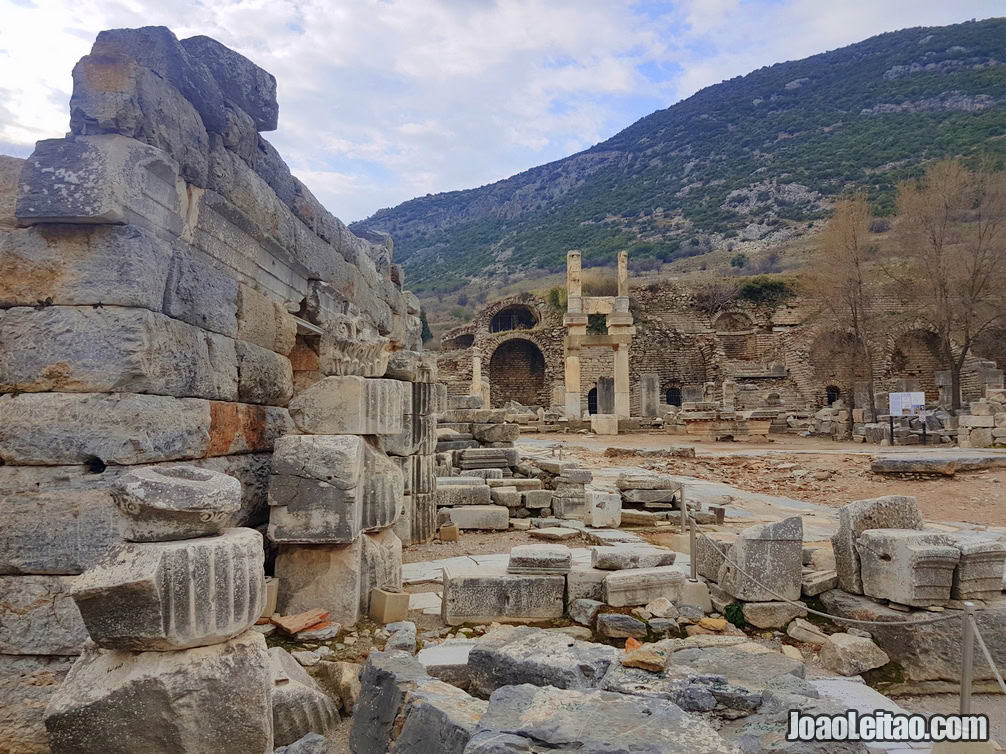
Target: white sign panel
x=907 y=404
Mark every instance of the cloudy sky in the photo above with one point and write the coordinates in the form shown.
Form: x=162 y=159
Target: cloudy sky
x=384 y=100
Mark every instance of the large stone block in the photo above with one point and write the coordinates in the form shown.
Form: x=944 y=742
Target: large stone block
x=772 y=553
x=174 y=595
x=511 y=655
x=299 y=706
x=38 y=616
x=80 y=265
x=905 y=566
x=475 y=493
x=250 y=87
x=437 y=717
x=489 y=517
x=263 y=375
x=543 y=558
x=123 y=428
x=623 y=556
x=380 y=565
x=81 y=525
x=487 y=595
x=112 y=94
x=180 y=502
x=120 y=350
x=350 y=346
x=979 y=572
x=156 y=48
x=264 y=321
x=584 y=583
x=514 y=723
x=26 y=684
x=604 y=424
x=350 y=405
x=245 y=428
x=603 y=509
x=215 y=698
x=320 y=576
x=101 y=179
x=383 y=488
x=202 y=295
x=639 y=586
x=888 y=512
x=386 y=680
x=316 y=490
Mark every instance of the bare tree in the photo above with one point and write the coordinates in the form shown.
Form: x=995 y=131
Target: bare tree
x=952 y=228
x=842 y=283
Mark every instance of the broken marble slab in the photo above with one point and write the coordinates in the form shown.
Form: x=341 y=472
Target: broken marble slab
x=545 y=558
x=639 y=586
x=487 y=595
x=622 y=556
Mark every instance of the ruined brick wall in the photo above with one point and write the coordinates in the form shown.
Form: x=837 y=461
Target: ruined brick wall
x=151 y=264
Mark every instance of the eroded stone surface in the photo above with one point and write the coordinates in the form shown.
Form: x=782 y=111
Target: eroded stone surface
x=488 y=595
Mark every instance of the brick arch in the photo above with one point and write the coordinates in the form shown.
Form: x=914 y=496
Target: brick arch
x=517 y=372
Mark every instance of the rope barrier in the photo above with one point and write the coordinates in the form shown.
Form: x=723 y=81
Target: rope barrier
x=988 y=655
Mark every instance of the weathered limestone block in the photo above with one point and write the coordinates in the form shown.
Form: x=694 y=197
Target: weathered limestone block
x=489 y=595
x=771 y=614
x=180 y=502
x=496 y=432
x=847 y=655
x=979 y=573
x=651 y=496
x=112 y=94
x=84 y=349
x=315 y=492
x=383 y=489
x=174 y=595
x=508 y=496
x=215 y=698
x=101 y=179
x=250 y=87
x=38 y=617
x=320 y=576
x=544 y=558
x=263 y=375
x=124 y=428
x=264 y=322
x=622 y=556
x=386 y=680
x=603 y=509
x=299 y=706
x=511 y=655
x=380 y=565
x=537 y=499
x=350 y=406
x=905 y=566
x=773 y=553
x=491 y=517
x=202 y=295
x=26 y=684
x=618 y=722
x=437 y=717
x=463 y=494
x=888 y=512
x=426 y=399
x=418 y=435
x=80 y=527
x=413 y=366
x=638 y=586
x=604 y=424
x=82 y=265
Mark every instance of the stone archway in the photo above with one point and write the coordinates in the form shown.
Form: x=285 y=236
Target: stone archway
x=517 y=373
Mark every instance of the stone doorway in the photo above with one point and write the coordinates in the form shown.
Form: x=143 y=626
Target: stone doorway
x=517 y=373
x=592 y=401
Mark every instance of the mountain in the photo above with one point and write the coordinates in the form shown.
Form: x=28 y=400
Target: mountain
x=755 y=158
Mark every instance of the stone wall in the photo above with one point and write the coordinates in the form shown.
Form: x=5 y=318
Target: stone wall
x=167 y=287
x=780 y=355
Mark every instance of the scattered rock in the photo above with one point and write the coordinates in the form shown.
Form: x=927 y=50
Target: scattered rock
x=618 y=626
x=806 y=632
x=846 y=654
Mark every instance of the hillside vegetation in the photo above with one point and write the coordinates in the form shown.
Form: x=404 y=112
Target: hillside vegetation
x=748 y=164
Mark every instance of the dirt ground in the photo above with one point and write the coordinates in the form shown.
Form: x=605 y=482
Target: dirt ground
x=778 y=467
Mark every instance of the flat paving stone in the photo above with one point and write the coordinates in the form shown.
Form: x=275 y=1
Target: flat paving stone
x=554 y=533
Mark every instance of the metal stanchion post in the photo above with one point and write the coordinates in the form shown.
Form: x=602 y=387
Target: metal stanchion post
x=967 y=656
x=684 y=511
x=691 y=549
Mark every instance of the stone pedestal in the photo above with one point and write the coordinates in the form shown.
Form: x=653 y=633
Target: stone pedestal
x=771 y=553
x=649 y=395
x=908 y=567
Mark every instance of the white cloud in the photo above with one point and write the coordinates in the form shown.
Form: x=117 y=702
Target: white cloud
x=382 y=100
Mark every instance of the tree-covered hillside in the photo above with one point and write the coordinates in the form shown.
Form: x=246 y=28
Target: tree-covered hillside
x=756 y=158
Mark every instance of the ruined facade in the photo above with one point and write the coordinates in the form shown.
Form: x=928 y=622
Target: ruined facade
x=780 y=354
x=169 y=291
